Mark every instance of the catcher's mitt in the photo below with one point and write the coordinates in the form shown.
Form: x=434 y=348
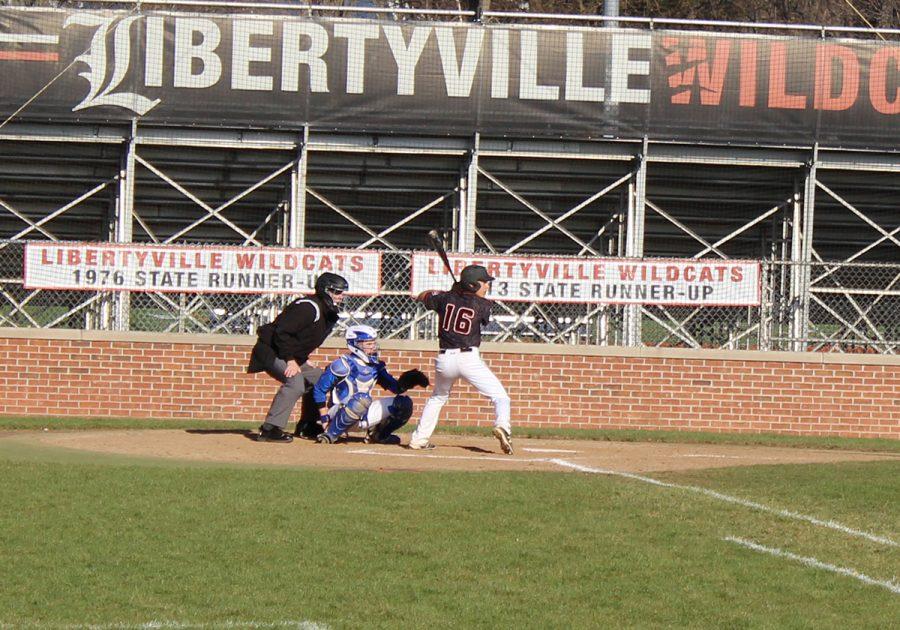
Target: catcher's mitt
x=413 y=378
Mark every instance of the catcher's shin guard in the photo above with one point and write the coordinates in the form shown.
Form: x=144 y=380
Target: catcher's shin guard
x=401 y=411
x=339 y=425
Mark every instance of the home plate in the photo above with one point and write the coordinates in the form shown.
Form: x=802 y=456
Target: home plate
x=547 y=450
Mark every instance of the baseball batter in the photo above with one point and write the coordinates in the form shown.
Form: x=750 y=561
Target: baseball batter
x=462 y=312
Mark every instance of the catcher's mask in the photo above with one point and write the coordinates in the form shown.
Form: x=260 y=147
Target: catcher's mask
x=356 y=336
x=330 y=284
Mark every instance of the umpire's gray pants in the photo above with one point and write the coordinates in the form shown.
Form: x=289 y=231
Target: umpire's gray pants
x=291 y=390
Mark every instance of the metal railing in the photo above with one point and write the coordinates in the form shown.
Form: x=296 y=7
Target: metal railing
x=452 y=10
x=852 y=307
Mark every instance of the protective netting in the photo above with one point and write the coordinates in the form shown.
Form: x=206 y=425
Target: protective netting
x=289 y=66
x=853 y=307
x=161 y=125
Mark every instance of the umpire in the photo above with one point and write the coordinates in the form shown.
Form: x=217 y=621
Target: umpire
x=284 y=346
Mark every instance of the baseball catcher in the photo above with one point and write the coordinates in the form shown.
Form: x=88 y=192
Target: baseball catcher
x=350 y=379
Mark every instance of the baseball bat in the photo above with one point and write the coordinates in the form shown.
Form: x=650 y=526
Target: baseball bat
x=435 y=238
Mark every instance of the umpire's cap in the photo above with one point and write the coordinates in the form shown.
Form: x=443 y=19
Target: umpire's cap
x=472 y=275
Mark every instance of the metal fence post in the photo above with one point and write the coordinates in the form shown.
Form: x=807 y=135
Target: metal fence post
x=123 y=228
x=465 y=238
x=296 y=232
x=765 y=305
x=634 y=241
x=801 y=256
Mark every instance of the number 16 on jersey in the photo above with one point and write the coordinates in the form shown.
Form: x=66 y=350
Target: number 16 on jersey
x=458 y=319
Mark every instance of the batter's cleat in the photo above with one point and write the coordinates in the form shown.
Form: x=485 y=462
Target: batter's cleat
x=273 y=435
x=428 y=446
x=505 y=441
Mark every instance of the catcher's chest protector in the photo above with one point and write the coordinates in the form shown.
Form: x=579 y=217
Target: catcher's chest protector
x=360 y=378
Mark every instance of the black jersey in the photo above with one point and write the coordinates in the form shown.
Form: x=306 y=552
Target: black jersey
x=295 y=334
x=460 y=317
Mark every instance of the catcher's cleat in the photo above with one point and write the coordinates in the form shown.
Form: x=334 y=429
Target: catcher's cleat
x=387 y=439
x=324 y=438
x=428 y=446
x=273 y=435
x=505 y=441
x=377 y=435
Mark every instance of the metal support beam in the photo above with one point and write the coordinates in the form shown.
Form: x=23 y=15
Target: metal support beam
x=296 y=225
x=465 y=235
x=123 y=230
x=52 y=215
x=210 y=211
x=634 y=241
x=795 y=267
x=800 y=331
x=543 y=215
x=571 y=211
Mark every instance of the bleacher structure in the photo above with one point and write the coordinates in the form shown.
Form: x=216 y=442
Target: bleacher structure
x=811 y=192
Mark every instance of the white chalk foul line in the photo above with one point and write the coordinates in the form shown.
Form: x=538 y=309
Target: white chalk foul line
x=736 y=500
x=892 y=586
x=171 y=625
x=426 y=454
x=702 y=456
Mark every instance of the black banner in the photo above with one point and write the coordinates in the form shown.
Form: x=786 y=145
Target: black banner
x=443 y=78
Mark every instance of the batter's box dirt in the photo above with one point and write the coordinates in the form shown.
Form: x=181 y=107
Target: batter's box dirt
x=469 y=453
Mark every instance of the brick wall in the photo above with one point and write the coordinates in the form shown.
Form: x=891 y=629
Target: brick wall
x=83 y=373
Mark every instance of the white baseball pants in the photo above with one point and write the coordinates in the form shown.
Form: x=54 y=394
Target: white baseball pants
x=377 y=412
x=449 y=366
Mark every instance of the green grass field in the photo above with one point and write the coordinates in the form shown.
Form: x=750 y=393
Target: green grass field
x=105 y=542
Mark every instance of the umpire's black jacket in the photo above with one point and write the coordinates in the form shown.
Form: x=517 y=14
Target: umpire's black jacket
x=295 y=334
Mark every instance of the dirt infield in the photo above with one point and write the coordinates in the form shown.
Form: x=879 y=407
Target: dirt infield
x=459 y=453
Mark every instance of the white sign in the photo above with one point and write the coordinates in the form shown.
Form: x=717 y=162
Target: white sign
x=177 y=269
x=601 y=280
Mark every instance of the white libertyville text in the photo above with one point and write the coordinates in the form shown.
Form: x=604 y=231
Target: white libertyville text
x=297 y=56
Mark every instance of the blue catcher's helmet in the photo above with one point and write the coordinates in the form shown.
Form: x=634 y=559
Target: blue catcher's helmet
x=357 y=334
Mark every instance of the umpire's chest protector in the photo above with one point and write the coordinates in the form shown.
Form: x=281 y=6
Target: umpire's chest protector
x=302 y=327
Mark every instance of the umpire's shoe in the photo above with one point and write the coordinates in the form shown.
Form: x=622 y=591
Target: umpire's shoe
x=269 y=433
x=308 y=430
x=505 y=441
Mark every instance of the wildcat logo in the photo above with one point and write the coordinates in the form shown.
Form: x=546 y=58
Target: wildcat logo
x=97 y=61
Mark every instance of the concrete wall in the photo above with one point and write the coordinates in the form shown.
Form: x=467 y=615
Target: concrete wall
x=86 y=373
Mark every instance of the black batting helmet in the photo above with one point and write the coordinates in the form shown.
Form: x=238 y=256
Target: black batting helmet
x=471 y=276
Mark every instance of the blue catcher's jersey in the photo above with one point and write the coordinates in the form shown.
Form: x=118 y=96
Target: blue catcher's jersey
x=348 y=375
